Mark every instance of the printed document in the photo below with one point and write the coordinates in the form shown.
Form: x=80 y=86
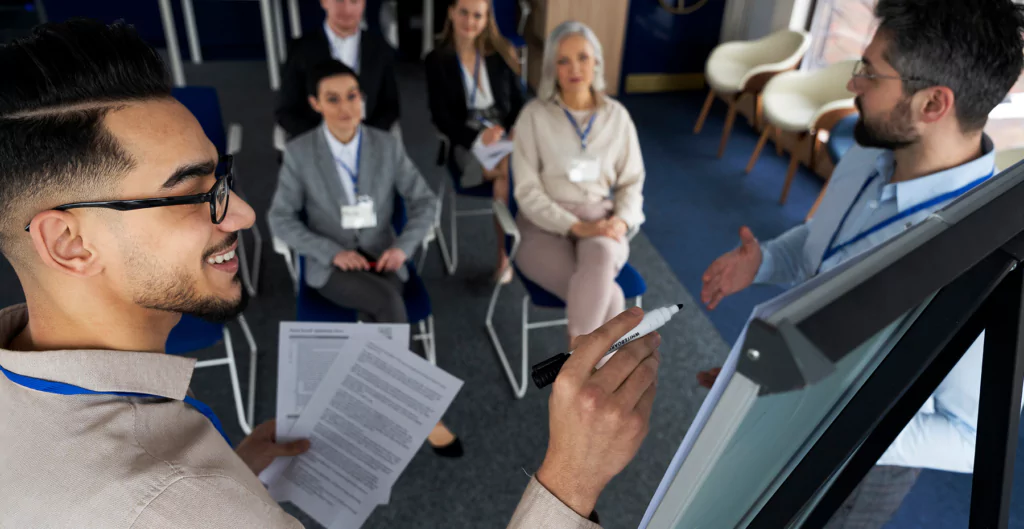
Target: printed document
x=306 y=351
x=370 y=415
x=491 y=155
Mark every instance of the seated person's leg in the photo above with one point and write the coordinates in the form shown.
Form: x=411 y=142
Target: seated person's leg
x=378 y=296
x=545 y=258
x=500 y=178
x=593 y=293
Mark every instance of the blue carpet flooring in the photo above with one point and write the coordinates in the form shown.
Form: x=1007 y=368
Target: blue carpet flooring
x=695 y=205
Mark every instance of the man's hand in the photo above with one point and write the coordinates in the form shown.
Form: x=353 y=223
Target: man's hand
x=599 y=418
x=733 y=271
x=492 y=134
x=259 y=450
x=351 y=261
x=392 y=259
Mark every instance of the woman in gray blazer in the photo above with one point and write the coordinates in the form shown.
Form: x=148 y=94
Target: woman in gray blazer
x=343 y=177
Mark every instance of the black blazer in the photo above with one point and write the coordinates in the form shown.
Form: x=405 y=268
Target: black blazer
x=447 y=94
x=376 y=80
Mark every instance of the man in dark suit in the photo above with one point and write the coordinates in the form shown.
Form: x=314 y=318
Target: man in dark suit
x=341 y=39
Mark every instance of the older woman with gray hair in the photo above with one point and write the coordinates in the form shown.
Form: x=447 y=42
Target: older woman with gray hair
x=579 y=181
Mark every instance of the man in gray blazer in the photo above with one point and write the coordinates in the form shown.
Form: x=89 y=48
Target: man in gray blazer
x=336 y=196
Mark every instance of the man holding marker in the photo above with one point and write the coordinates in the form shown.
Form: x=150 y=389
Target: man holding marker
x=118 y=216
x=925 y=86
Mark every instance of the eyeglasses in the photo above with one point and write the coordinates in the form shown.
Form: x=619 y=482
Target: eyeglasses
x=860 y=71
x=217 y=197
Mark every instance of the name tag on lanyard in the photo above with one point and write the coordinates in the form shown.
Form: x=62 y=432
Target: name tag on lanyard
x=584 y=167
x=362 y=214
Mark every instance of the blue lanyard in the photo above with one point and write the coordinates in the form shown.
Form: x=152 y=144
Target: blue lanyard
x=582 y=133
x=476 y=77
x=60 y=388
x=831 y=250
x=354 y=174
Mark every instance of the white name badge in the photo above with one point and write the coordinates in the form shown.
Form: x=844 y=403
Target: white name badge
x=359 y=215
x=584 y=168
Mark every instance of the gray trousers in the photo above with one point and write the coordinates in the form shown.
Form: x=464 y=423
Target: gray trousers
x=873 y=503
x=377 y=297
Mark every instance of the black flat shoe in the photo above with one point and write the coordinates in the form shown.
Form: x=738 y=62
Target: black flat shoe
x=452 y=449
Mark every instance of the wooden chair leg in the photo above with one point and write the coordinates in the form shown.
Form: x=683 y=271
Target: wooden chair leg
x=704 y=111
x=758 y=112
x=794 y=163
x=814 y=148
x=760 y=145
x=730 y=118
x=817 y=202
x=778 y=144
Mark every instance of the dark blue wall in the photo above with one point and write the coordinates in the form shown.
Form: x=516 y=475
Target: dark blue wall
x=660 y=42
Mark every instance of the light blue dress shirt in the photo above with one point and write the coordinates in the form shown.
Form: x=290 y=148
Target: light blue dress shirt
x=345 y=155
x=941 y=435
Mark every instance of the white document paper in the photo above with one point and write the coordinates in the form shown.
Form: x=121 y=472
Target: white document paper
x=491 y=155
x=306 y=351
x=369 y=417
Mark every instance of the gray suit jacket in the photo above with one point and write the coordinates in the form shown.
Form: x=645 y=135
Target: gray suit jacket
x=309 y=182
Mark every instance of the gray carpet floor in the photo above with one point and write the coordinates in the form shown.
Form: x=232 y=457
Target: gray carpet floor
x=505 y=438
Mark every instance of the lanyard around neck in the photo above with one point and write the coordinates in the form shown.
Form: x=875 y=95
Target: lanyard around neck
x=582 y=133
x=60 y=388
x=475 y=79
x=833 y=249
x=353 y=173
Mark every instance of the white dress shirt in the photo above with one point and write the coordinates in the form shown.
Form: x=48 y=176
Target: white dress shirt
x=344 y=49
x=942 y=434
x=484 y=98
x=347 y=154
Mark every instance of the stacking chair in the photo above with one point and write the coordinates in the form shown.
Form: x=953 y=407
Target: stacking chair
x=193 y=334
x=840 y=139
x=805 y=103
x=311 y=306
x=633 y=286
x=505 y=16
x=736 y=69
x=202 y=101
x=450 y=194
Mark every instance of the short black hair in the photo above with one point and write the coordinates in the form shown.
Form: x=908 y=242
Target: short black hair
x=59 y=84
x=972 y=47
x=324 y=70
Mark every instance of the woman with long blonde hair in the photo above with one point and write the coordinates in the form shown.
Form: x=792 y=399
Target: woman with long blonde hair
x=475 y=97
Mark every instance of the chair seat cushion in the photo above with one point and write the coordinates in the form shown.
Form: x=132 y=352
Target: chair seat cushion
x=725 y=75
x=840 y=138
x=193 y=334
x=629 y=280
x=790 y=111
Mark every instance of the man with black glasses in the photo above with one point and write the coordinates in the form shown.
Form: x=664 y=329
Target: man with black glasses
x=925 y=86
x=131 y=222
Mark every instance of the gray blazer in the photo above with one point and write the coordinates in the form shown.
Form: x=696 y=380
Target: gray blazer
x=309 y=182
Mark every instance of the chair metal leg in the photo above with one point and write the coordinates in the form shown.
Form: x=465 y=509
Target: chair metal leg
x=442 y=244
x=453 y=219
x=233 y=371
x=640 y=301
x=518 y=387
x=250 y=279
x=253 y=354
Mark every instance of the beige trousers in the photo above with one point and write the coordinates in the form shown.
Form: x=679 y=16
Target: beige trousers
x=581 y=272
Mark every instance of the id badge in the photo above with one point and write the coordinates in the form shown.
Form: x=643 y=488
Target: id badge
x=359 y=215
x=584 y=168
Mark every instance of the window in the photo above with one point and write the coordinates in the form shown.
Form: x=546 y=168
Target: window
x=841 y=29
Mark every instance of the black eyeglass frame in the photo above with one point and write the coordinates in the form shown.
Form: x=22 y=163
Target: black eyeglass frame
x=860 y=65
x=145 y=203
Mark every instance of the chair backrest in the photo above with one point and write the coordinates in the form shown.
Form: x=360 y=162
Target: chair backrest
x=505 y=15
x=204 y=104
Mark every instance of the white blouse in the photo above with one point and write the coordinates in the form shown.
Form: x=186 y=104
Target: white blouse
x=484 y=95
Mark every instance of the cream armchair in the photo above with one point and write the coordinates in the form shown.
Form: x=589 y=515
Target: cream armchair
x=805 y=103
x=735 y=69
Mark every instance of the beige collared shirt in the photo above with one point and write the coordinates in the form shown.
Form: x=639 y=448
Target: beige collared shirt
x=111 y=462
x=545 y=144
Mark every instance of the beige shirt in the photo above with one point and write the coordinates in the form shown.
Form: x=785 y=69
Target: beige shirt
x=110 y=462
x=545 y=144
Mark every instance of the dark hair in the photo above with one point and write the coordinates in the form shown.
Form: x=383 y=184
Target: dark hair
x=974 y=48
x=324 y=70
x=59 y=84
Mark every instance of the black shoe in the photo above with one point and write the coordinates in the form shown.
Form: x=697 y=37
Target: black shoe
x=452 y=449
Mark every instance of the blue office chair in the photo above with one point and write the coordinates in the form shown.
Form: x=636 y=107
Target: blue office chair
x=311 y=306
x=633 y=286
x=202 y=101
x=193 y=334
